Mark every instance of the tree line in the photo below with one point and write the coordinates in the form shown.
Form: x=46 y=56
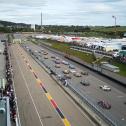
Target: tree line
x=95 y=31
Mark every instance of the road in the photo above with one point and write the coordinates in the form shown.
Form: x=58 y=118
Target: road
x=116 y=97
x=35 y=109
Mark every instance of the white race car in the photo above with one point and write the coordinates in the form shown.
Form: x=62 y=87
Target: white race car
x=105 y=87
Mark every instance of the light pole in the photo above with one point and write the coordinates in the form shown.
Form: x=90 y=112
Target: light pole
x=41 y=23
x=114 y=23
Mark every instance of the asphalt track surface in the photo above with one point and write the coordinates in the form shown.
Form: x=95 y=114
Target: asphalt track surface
x=41 y=101
x=116 y=98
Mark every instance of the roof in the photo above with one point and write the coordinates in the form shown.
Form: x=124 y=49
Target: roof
x=4 y=112
x=2 y=83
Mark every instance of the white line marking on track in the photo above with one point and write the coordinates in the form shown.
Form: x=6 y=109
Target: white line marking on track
x=26 y=84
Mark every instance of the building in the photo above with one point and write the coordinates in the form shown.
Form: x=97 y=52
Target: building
x=4 y=112
x=124 y=34
x=1 y=25
x=33 y=26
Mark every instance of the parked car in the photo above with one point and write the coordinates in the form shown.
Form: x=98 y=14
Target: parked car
x=57 y=62
x=53 y=57
x=65 y=62
x=72 y=71
x=45 y=57
x=104 y=104
x=84 y=72
x=105 y=87
x=66 y=71
x=57 y=66
x=85 y=82
x=57 y=58
x=71 y=66
x=45 y=53
x=67 y=76
x=77 y=74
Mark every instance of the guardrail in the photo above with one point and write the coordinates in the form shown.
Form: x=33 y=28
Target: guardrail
x=84 y=98
x=93 y=107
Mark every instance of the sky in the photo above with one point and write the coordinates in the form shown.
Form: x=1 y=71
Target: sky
x=64 y=12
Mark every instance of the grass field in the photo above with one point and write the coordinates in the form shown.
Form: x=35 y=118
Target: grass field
x=109 y=29
x=121 y=66
x=64 y=47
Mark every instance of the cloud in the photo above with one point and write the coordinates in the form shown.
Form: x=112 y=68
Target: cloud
x=73 y=12
x=31 y=3
x=102 y=8
x=101 y=1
